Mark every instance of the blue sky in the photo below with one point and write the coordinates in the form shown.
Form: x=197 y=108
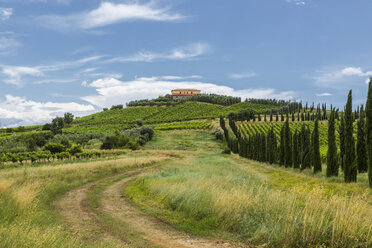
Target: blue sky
x=80 y=56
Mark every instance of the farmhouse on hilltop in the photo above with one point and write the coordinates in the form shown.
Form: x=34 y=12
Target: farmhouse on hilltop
x=183 y=93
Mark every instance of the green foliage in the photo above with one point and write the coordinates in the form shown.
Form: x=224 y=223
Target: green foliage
x=54 y=148
x=184 y=125
x=68 y=118
x=317 y=163
x=332 y=163
x=361 y=144
x=369 y=131
x=75 y=149
x=350 y=168
x=287 y=145
x=57 y=124
x=121 y=119
x=215 y=99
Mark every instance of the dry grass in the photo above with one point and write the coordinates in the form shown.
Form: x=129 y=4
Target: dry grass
x=26 y=194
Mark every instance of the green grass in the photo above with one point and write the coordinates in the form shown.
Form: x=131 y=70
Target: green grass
x=120 y=119
x=208 y=193
x=27 y=215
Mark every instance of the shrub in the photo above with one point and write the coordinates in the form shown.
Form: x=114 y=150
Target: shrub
x=75 y=149
x=226 y=151
x=54 y=148
x=139 y=123
x=218 y=133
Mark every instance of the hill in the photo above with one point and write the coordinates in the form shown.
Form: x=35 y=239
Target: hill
x=119 y=119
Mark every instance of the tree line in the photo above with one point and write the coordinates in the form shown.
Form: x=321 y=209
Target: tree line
x=300 y=149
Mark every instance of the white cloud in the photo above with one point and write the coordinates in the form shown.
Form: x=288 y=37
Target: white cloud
x=15 y=73
x=8 y=45
x=181 y=53
x=297 y=2
x=20 y=111
x=5 y=13
x=242 y=75
x=323 y=94
x=339 y=77
x=109 y=13
x=112 y=91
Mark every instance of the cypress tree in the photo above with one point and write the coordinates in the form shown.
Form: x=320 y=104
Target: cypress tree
x=369 y=131
x=271 y=146
x=265 y=118
x=350 y=168
x=282 y=117
x=361 y=144
x=341 y=132
x=305 y=155
x=332 y=164
x=317 y=163
x=295 y=148
x=287 y=145
x=282 y=145
x=263 y=148
x=277 y=117
x=271 y=117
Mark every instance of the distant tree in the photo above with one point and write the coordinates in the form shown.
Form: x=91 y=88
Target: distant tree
x=369 y=131
x=317 y=163
x=68 y=118
x=54 y=148
x=139 y=122
x=361 y=143
x=332 y=163
x=271 y=146
x=57 y=124
x=46 y=127
x=350 y=168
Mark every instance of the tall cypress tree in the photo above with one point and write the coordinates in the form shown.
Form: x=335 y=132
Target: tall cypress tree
x=341 y=132
x=296 y=152
x=317 y=163
x=305 y=155
x=287 y=145
x=369 y=131
x=282 y=145
x=361 y=143
x=350 y=168
x=332 y=164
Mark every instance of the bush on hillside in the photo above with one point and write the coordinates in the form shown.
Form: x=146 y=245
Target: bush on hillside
x=54 y=148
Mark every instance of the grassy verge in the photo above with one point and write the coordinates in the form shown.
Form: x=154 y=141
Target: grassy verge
x=27 y=217
x=212 y=194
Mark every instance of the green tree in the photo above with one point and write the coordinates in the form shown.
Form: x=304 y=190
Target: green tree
x=68 y=118
x=361 y=144
x=57 y=124
x=282 y=146
x=287 y=145
x=332 y=164
x=350 y=168
x=369 y=131
x=317 y=163
x=305 y=145
x=296 y=151
x=341 y=132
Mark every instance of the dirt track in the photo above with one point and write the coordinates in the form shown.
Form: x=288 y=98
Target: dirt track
x=117 y=223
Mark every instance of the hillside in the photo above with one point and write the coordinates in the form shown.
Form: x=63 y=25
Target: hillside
x=119 y=119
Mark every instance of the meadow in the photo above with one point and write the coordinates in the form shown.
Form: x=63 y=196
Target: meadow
x=260 y=205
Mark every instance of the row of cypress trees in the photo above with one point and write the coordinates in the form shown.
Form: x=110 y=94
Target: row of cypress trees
x=302 y=150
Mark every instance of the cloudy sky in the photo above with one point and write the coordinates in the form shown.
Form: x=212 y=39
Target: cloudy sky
x=83 y=55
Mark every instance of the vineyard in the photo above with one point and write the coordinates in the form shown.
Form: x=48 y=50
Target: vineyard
x=251 y=128
x=120 y=119
x=184 y=125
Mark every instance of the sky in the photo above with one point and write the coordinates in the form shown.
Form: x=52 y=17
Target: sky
x=80 y=56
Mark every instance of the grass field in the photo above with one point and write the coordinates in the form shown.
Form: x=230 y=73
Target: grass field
x=208 y=193
x=194 y=188
x=27 y=215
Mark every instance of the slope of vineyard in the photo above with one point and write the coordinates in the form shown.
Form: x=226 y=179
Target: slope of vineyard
x=119 y=119
x=250 y=128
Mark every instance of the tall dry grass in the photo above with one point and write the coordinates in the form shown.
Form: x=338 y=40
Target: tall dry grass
x=27 y=218
x=248 y=205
